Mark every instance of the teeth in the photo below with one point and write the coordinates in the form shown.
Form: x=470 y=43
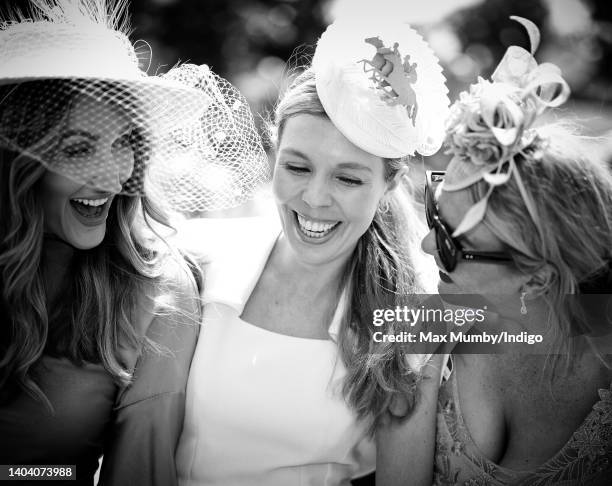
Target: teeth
x=314 y=228
x=92 y=202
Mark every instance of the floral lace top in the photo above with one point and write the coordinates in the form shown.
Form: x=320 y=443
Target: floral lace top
x=586 y=459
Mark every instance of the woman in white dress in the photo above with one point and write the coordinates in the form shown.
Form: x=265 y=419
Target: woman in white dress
x=287 y=385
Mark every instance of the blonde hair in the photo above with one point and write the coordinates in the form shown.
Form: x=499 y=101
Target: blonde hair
x=572 y=194
x=105 y=282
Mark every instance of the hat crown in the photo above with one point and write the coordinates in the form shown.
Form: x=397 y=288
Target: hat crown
x=67 y=39
x=382 y=86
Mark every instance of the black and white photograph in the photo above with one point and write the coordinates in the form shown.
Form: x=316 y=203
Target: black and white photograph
x=306 y=242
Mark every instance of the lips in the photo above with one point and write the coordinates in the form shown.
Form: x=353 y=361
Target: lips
x=93 y=210
x=444 y=277
x=314 y=228
x=89 y=208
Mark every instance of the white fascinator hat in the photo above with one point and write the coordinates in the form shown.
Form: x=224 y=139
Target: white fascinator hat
x=193 y=133
x=382 y=86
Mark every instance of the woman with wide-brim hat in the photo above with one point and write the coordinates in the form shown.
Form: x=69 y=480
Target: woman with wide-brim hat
x=99 y=313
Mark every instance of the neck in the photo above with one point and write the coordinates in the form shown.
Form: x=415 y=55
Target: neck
x=535 y=321
x=322 y=279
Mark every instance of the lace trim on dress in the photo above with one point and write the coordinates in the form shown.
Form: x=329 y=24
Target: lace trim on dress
x=585 y=459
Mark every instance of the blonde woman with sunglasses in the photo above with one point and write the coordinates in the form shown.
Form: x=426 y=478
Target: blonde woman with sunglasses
x=523 y=218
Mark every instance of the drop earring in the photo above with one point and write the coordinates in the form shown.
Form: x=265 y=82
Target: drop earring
x=383 y=206
x=523 y=306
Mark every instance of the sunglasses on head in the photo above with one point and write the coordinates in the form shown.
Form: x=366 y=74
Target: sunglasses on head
x=449 y=249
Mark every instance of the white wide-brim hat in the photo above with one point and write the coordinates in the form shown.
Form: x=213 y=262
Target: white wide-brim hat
x=75 y=46
x=83 y=43
x=354 y=92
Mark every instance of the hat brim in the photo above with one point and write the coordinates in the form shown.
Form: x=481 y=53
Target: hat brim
x=167 y=103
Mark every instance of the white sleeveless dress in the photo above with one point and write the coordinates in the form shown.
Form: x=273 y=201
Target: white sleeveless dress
x=264 y=408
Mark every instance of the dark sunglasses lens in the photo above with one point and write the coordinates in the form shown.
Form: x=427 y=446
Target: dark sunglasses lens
x=446 y=248
x=429 y=209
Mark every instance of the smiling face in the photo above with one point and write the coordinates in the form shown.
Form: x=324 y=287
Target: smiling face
x=96 y=136
x=327 y=189
x=472 y=277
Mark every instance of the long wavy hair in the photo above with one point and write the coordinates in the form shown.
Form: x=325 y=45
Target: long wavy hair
x=569 y=252
x=99 y=299
x=383 y=272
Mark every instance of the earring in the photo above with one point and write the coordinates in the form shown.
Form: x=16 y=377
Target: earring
x=523 y=306
x=383 y=206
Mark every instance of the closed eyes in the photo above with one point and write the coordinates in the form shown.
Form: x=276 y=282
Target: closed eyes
x=343 y=179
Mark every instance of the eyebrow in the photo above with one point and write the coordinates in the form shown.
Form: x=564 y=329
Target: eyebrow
x=354 y=165
x=80 y=133
x=342 y=165
x=292 y=151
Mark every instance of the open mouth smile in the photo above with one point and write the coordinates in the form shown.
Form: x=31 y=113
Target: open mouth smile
x=314 y=228
x=90 y=208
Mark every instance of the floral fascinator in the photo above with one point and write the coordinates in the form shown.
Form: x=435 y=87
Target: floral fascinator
x=192 y=134
x=492 y=124
x=381 y=86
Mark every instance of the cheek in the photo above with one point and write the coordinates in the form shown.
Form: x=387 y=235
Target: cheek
x=490 y=279
x=362 y=203
x=55 y=185
x=55 y=190
x=54 y=194
x=283 y=186
x=126 y=165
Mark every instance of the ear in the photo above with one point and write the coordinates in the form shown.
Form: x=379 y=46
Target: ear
x=397 y=178
x=540 y=281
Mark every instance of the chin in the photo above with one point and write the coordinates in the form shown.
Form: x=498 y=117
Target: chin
x=313 y=258
x=87 y=241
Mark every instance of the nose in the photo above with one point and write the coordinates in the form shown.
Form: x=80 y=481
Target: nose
x=113 y=181
x=119 y=165
x=428 y=243
x=316 y=193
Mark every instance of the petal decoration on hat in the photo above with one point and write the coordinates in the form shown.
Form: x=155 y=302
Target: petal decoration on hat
x=474 y=216
x=532 y=31
x=492 y=123
x=501 y=113
x=496 y=179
